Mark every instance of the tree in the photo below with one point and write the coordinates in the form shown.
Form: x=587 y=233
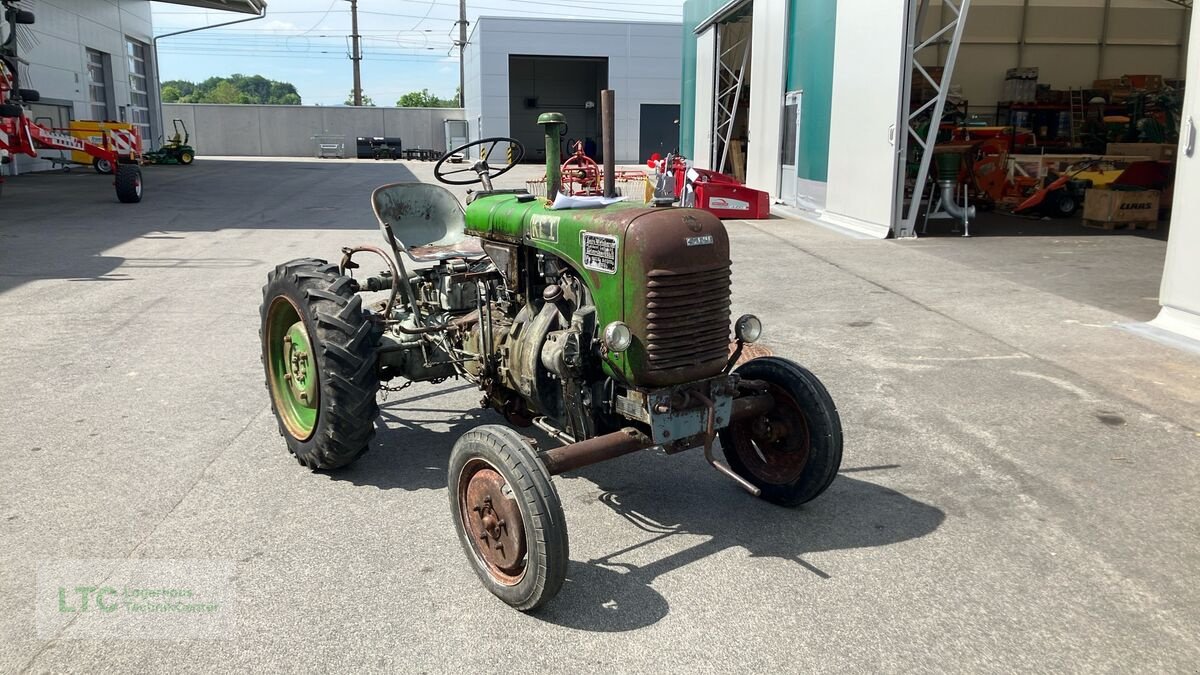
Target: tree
x=366 y=100
x=424 y=99
x=236 y=88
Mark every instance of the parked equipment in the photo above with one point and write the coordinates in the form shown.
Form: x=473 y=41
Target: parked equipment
x=19 y=135
x=175 y=150
x=607 y=328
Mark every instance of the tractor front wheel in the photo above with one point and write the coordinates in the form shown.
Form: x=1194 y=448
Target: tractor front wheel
x=508 y=516
x=318 y=352
x=129 y=183
x=793 y=452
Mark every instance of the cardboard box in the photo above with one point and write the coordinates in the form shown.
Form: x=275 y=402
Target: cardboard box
x=1121 y=206
x=1159 y=152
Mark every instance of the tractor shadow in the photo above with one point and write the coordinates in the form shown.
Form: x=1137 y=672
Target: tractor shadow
x=414 y=435
x=666 y=503
x=615 y=592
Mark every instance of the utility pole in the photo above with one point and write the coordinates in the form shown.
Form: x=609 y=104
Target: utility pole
x=462 y=47
x=356 y=52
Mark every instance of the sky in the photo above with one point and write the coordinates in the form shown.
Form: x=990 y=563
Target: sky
x=407 y=44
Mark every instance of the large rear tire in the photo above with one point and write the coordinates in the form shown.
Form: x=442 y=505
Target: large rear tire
x=186 y=157
x=792 y=453
x=129 y=183
x=508 y=516
x=319 y=356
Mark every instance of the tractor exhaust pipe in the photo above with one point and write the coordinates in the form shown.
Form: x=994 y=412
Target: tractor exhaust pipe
x=553 y=122
x=608 y=128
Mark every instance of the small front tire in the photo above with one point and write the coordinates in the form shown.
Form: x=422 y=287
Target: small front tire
x=508 y=516
x=792 y=453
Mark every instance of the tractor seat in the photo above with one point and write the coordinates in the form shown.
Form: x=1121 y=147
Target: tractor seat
x=426 y=220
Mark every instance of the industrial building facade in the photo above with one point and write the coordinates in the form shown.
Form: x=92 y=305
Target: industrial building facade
x=94 y=60
x=518 y=68
x=811 y=100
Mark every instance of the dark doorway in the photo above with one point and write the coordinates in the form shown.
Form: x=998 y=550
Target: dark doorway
x=658 y=130
x=569 y=85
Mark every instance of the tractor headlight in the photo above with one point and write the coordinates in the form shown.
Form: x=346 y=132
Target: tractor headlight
x=617 y=336
x=748 y=328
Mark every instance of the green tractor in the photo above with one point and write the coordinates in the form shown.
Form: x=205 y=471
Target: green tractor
x=606 y=328
x=175 y=150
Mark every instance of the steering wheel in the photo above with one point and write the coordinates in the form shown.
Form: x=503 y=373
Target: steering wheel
x=481 y=172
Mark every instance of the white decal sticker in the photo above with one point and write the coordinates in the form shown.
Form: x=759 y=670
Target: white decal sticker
x=703 y=240
x=600 y=252
x=727 y=203
x=544 y=228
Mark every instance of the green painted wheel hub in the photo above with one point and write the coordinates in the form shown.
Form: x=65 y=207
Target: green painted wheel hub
x=292 y=369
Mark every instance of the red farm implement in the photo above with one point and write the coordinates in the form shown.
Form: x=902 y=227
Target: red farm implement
x=21 y=136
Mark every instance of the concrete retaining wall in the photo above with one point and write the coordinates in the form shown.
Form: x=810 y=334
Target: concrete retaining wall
x=287 y=130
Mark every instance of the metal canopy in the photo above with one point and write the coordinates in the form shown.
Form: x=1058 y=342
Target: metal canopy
x=241 y=6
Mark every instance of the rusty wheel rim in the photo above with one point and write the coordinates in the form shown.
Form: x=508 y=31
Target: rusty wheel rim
x=775 y=447
x=492 y=520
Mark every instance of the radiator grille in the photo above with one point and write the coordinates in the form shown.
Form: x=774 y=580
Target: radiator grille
x=687 y=318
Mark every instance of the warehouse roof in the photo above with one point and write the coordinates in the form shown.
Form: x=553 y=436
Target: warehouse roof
x=243 y=6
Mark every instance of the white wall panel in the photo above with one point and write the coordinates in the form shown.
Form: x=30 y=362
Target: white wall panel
x=770 y=36
x=706 y=63
x=1180 y=293
x=866 y=95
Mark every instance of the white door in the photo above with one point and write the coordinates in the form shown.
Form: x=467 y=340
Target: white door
x=868 y=67
x=456 y=134
x=1180 y=293
x=789 y=147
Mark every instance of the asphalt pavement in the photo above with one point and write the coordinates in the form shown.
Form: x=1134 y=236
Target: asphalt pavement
x=1017 y=492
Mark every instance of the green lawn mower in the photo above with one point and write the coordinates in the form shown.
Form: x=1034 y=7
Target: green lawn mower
x=176 y=150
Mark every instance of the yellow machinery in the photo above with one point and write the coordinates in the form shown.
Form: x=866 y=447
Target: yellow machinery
x=121 y=137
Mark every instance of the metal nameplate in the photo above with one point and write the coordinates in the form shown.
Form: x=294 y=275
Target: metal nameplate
x=599 y=252
x=633 y=409
x=703 y=240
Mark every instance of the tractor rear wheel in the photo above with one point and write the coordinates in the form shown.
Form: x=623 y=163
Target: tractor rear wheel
x=318 y=352
x=508 y=516
x=793 y=452
x=129 y=183
x=186 y=157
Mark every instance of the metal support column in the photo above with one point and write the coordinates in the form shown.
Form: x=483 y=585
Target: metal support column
x=727 y=96
x=906 y=227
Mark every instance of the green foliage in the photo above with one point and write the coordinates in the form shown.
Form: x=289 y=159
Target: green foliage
x=236 y=88
x=424 y=99
x=366 y=100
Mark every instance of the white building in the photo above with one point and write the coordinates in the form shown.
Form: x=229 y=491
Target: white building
x=518 y=68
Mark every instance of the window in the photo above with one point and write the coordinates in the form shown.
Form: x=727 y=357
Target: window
x=139 y=92
x=97 y=66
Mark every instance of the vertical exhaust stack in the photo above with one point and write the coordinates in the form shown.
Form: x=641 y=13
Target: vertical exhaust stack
x=553 y=122
x=608 y=128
